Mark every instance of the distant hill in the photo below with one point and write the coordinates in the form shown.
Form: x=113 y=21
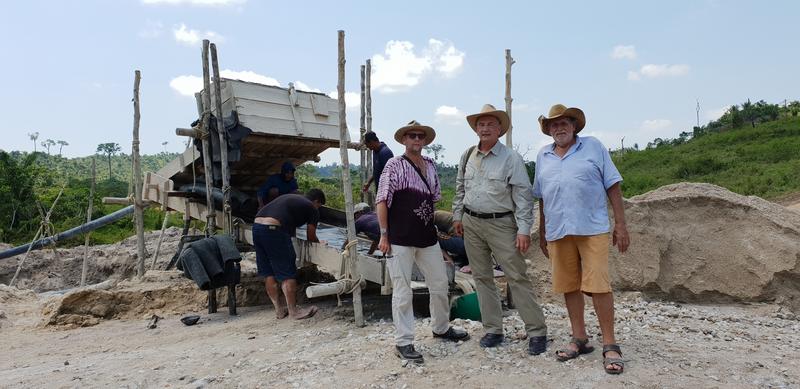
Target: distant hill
x=760 y=158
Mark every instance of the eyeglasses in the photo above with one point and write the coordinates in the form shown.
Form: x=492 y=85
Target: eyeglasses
x=416 y=135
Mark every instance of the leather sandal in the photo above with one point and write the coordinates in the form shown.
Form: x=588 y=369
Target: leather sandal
x=619 y=362
x=567 y=353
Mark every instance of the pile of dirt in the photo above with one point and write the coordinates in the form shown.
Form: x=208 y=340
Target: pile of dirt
x=703 y=243
x=48 y=270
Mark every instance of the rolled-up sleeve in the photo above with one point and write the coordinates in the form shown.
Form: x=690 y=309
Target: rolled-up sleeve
x=611 y=175
x=521 y=194
x=458 y=199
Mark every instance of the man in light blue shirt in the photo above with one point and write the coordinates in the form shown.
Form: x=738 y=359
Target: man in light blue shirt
x=574 y=177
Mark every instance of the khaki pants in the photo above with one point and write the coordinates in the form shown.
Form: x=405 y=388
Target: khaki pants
x=483 y=237
x=430 y=262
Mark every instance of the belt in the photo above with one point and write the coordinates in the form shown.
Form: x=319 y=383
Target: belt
x=271 y=227
x=479 y=215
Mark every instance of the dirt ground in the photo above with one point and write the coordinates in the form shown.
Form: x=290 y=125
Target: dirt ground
x=665 y=344
x=99 y=337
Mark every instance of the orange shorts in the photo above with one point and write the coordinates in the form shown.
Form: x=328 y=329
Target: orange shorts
x=580 y=263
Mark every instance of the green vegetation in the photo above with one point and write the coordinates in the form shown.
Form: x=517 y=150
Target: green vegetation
x=753 y=149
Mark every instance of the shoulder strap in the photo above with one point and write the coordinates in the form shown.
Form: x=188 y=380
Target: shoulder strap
x=469 y=154
x=416 y=169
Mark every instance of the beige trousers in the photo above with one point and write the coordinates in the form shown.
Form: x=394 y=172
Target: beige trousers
x=430 y=262
x=482 y=238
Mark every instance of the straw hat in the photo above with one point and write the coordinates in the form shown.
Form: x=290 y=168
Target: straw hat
x=430 y=134
x=559 y=110
x=490 y=110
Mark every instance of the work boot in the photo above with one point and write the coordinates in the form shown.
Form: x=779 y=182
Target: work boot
x=537 y=345
x=407 y=352
x=452 y=335
x=491 y=340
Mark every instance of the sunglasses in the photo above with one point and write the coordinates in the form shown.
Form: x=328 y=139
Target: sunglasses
x=416 y=135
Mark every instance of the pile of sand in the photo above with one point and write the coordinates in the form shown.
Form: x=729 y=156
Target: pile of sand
x=703 y=243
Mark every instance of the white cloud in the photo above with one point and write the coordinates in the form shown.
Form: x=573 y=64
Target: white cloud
x=446 y=59
x=249 y=76
x=715 y=114
x=400 y=68
x=151 y=30
x=656 y=124
x=189 y=37
x=623 y=52
x=188 y=85
x=654 y=71
x=300 y=85
x=352 y=100
x=201 y=3
x=449 y=114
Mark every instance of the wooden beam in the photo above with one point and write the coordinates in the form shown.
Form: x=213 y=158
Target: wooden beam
x=352 y=258
x=207 y=157
x=190 y=132
x=509 y=61
x=298 y=142
x=138 y=211
x=223 y=146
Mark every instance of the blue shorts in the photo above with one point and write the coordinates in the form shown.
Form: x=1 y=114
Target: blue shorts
x=275 y=256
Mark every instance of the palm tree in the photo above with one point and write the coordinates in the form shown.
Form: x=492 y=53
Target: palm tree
x=109 y=149
x=34 y=136
x=61 y=145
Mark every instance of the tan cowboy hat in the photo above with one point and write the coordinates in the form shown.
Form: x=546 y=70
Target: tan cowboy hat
x=560 y=110
x=430 y=134
x=490 y=110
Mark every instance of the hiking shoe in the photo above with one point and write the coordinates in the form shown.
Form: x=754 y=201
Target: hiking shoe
x=491 y=340
x=452 y=335
x=537 y=345
x=407 y=352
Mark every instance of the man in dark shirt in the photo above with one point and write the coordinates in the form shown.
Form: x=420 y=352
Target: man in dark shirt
x=278 y=184
x=274 y=226
x=453 y=248
x=380 y=155
x=367 y=224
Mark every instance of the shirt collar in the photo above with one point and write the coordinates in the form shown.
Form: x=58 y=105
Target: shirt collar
x=496 y=149
x=578 y=144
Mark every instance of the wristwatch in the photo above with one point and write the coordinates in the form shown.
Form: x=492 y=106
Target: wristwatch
x=384 y=232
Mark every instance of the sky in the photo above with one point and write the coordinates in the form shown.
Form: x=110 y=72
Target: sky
x=636 y=68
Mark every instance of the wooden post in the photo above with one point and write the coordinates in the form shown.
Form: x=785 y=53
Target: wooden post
x=363 y=152
x=85 y=266
x=207 y=157
x=223 y=145
x=161 y=237
x=348 y=189
x=45 y=226
x=509 y=61
x=138 y=210
x=368 y=114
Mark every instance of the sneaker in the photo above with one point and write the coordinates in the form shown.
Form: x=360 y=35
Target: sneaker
x=407 y=352
x=491 y=340
x=537 y=345
x=452 y=335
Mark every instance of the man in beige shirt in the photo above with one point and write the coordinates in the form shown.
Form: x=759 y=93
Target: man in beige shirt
x=493 y=209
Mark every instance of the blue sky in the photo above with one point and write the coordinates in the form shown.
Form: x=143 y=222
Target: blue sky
x=635 y=67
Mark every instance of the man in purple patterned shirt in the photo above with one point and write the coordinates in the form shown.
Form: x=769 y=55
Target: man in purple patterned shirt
x=407 y=191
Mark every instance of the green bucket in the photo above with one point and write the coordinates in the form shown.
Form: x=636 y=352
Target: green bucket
x=466 y=307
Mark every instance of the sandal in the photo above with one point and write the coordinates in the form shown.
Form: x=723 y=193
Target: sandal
x=572 y=354
x=619 y=362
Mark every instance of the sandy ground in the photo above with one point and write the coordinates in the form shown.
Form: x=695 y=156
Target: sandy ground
x=666 y=345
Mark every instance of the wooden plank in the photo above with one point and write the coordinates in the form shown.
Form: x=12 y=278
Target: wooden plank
x=287 y=128
x=282 y=111
x=179 y=164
